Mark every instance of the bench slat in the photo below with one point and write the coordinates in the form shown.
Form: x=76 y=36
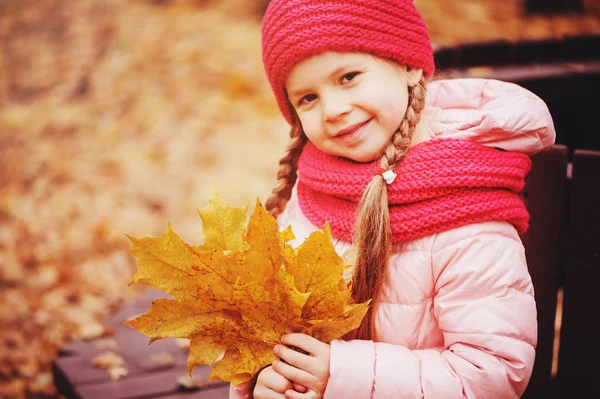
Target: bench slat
x=579 y=350
x=147 y=385
x=217 y=393
x=544 y=197
x=132 y=346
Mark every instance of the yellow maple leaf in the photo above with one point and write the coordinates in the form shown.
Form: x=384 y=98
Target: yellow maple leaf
x=236 y=295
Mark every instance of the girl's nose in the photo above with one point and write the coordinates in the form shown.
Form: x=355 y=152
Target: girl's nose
x=335 y=106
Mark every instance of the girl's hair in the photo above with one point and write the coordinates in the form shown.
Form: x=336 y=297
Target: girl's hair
x=288 y=171
x=372 y=231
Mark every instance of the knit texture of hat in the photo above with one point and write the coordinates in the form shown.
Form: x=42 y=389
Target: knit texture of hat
x=294 y=30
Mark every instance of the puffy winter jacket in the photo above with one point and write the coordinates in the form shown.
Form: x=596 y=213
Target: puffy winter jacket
x=457 y=317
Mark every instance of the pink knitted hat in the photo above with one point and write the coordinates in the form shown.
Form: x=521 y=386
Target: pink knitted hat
x=294 y=30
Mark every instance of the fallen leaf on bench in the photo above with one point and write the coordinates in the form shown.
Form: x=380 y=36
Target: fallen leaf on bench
x=106 y=343
x=191 y=382
x=115 y=373
x=91 y=331
x=236 y=295
x=107 y=360
x=157 y=361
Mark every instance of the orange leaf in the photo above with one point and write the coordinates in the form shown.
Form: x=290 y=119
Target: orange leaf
x=236 y=295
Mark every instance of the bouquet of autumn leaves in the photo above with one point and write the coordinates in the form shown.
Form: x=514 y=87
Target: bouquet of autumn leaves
x=235 y=296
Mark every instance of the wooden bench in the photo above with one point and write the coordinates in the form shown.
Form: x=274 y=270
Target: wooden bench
x=563 y=255
x=562 y=195
x=564 y=72
x=75 y=377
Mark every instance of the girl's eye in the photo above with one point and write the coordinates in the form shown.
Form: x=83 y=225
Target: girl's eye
x=348 y=77
x=307 y=99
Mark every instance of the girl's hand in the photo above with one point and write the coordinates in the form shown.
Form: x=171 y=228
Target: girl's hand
x=271 y=385
x=310 y=370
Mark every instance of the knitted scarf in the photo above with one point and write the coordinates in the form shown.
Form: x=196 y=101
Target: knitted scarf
x=442 y=183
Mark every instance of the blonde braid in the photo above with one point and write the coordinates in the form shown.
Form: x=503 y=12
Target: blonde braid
x=288 y=172
x=372 y=231
x=398 y=147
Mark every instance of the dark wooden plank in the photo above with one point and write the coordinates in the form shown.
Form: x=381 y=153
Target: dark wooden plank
x=147 y=385
x=85 y=346
x=539 y=51
x=553 y=6
x=75 y=377
x=216 y=393
x=446 y=57
x=61 y=382
x=132 y=346
x=580 y=333
x=138 y=306
x=550 y=81
x=496 y=52
x=583 y=47
x=544 y=199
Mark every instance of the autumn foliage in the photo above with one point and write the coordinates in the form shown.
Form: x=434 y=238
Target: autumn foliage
x=236 y=295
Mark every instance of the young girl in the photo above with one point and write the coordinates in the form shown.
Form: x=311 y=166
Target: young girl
x=423 y=183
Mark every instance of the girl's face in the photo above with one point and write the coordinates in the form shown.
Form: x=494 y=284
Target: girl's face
x=350 y=104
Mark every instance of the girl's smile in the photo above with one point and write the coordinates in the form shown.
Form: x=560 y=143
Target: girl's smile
x=350 y=104
x=353 y=134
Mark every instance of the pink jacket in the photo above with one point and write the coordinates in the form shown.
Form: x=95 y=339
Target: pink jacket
x=457 y=318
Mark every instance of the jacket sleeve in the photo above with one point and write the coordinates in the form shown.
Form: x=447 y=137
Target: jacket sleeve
x=484 y=305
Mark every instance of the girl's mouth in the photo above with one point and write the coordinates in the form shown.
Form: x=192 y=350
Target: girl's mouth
x=353 y=133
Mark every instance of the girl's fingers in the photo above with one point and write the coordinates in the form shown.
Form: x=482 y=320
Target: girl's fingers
x=310 y=394
x=305 y=342
x=293 y=357
x=292 y=373
x=266 y=393
x=274 y=381
x=300 y=388
x=278 y=384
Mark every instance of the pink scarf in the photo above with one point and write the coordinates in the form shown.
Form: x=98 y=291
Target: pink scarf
x=442 y=184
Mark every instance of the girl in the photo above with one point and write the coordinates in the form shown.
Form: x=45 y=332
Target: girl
x=424 y=190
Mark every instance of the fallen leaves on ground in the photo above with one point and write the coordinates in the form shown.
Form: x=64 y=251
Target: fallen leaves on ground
x=114 y=116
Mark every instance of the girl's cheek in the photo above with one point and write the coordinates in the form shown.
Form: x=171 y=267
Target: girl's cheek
x=310 y=126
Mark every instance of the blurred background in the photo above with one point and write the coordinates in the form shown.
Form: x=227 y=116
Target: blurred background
x=120 y=116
